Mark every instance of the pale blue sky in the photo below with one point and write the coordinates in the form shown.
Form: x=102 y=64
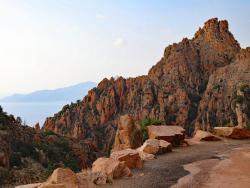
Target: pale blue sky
x=54 y=43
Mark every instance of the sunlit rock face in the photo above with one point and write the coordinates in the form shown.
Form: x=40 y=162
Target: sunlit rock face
x=177 y=90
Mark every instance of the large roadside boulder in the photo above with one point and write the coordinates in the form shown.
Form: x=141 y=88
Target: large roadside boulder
x=223 y=131
x=150 y=146
x=85 y=179
x=172 y=134
x=107 y=169
x=145 y=156
x=128 y=134
x=131 y=158
x=164 y=147
x=232 y=132
x=154 y=146
x=64 y=177
x=205 y=136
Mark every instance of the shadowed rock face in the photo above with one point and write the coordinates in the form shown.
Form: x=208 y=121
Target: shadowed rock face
x=171 y=91
x=226 y=101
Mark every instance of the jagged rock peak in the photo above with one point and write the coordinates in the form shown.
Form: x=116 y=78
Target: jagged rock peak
x=213 y=26
x=215 y=29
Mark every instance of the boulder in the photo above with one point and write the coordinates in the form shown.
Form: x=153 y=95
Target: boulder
x=205 y=136
x=131 y=158
x=154 y=146
x=223 y=131
x=150 y=146
x=63 y=176
x=85 y=180
x=108 y=169
x=126 y=133
x=164 y=147
x=145 y=156
x=232 y=132
x=172 y=134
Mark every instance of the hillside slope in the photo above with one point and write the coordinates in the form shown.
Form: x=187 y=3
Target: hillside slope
x=29 y=155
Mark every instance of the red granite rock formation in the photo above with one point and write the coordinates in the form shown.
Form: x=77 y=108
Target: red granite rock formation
x=171 y=91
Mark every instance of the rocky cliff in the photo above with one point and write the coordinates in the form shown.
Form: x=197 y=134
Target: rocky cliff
x=226 y=101
x=175 y=91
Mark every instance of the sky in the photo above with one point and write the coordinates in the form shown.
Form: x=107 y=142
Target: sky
x=46 y=44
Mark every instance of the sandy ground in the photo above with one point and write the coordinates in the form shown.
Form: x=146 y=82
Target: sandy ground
x=213 y=164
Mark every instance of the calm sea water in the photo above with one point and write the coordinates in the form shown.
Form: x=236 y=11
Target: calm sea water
x=33 y=112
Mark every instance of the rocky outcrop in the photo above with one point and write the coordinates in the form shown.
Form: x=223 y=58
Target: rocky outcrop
x=232 y=132
x=195 y=85
x=145 y=156
x=205 y=136
x=172 y=134
x=109 y=169
x=128 y=134
x=164 y=147
x=154 y=146
x=65 y=177
x=37 y=127
x=131 y=158
x=226 y=101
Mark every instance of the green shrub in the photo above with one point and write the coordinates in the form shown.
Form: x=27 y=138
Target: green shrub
x=150 y=121
x=146 y=122
x=26 y=149
x=60 y=152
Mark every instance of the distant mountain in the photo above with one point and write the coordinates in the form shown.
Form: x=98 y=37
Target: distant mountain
x=71 y=93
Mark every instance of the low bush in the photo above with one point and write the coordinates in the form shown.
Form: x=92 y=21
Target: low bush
x=146 y=122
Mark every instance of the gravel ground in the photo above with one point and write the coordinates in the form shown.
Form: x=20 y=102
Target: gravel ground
x=168 y=168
